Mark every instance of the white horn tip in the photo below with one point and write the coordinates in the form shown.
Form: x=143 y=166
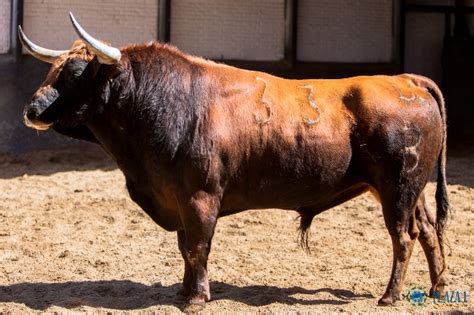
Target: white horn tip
x=43 y=54
x=21 y=34
x=105 y=54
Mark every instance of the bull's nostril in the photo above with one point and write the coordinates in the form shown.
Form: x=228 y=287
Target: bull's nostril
x=31 y=114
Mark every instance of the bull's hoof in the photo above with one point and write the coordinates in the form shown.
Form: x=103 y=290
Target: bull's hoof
x=387 y=301
x=193 y=306
x=183 y=293
x=438 y=290
x=196 y=302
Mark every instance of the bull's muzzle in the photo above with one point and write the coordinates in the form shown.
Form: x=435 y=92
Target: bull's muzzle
x=36 y=113
x=31 y=117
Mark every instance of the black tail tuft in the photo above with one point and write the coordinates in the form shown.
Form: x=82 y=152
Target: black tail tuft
x=306 y=218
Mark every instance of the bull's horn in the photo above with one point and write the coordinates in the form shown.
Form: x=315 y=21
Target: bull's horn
x=105 y=54
x=43 y=54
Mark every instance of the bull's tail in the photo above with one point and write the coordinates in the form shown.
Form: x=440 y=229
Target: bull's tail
x=442 y=201
x=306 y=218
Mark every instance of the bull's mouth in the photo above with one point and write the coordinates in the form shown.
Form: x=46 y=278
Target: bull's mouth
x=38 y=125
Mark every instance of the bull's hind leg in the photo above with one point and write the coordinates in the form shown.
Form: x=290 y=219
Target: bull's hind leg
x=426 y=221
x=399 y=215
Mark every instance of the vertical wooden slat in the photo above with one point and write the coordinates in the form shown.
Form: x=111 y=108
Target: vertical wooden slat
x=447 y=25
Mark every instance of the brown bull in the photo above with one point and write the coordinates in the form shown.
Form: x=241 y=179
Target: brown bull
x=198 y=140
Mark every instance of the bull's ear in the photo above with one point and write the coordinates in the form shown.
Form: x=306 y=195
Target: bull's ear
x=105 y=54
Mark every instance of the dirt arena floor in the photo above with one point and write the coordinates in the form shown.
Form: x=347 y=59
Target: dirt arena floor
x=71 y=240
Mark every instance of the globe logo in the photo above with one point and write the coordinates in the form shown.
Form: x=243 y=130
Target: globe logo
x=416 y=296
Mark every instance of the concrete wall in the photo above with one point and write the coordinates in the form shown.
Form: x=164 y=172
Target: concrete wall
x=345 y=31
x=119 y=22
x=229 y=29
x=5 y=16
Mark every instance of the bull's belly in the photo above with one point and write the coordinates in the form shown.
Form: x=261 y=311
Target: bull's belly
x=290 y=176
x=291 y=193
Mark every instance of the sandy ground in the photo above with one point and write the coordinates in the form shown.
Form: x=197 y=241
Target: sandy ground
x=71 y=240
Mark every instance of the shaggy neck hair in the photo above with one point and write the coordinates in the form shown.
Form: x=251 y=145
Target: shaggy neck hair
x=160 y=88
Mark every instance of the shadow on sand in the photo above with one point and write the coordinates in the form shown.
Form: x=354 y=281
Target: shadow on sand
x=47 y=162
x=128 y=295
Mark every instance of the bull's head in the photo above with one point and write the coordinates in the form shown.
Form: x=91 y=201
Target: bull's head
x=70 y=82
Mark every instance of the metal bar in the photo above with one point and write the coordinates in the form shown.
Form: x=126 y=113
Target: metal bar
x=402 y=35
x=290 y=30
x=447 y=25
x=16 y=19
x=164 y=21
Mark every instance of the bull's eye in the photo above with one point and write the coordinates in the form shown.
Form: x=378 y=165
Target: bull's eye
x=77 y=74
x=72 y=74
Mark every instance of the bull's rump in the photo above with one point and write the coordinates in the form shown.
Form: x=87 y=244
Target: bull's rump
x=275 y=157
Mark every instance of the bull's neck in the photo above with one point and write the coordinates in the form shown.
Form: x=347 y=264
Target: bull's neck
x=153 y=108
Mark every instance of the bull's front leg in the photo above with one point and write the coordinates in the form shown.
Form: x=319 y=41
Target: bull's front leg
x=185 y=290
x=199 y=216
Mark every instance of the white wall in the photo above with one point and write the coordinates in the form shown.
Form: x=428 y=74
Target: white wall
x=5 y=16
x=345 y=31
x=229 y=29
x=119 y=22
